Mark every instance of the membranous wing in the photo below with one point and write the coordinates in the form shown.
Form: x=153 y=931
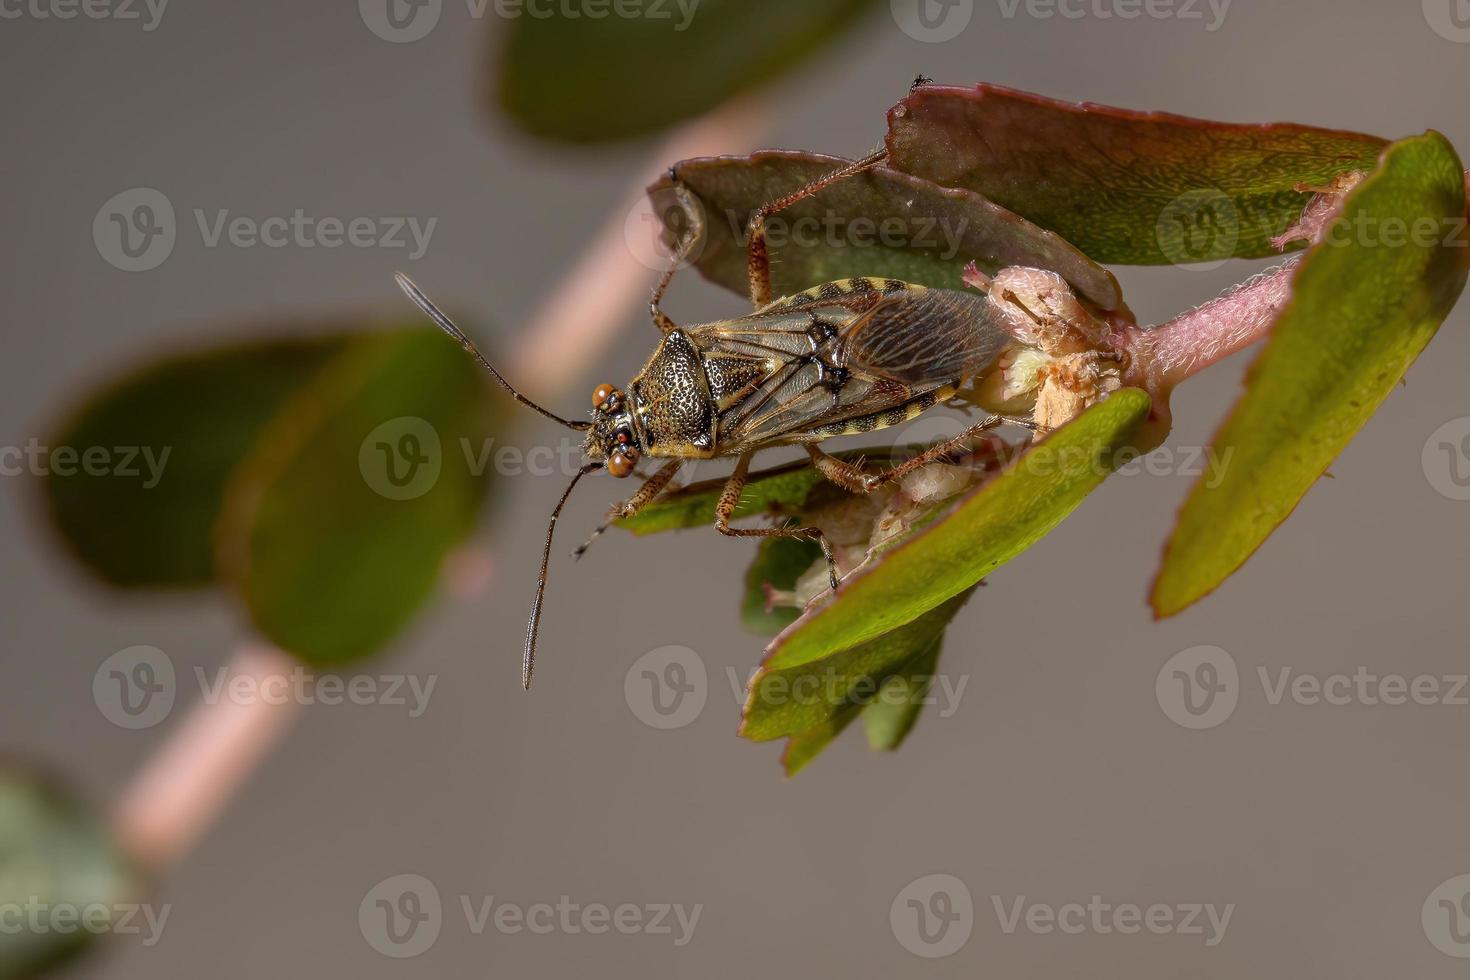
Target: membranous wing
x=850 y=351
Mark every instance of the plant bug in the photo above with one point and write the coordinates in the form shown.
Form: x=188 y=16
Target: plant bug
x=841 y=358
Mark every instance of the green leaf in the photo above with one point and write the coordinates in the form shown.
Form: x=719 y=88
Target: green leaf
x=891 y=716
x=803 y=748
x=779 y=562
x=1123 y=186
x=880 y=223
x=993 y=524
x=58 y=869
x=1361 y=311
x=163 y=441
x=782 y=702
x=780 y=489
x=336 y=526
x=580 y=79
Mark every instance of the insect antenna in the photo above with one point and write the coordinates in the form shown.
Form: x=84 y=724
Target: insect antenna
x=448 y=326
x=528 y=663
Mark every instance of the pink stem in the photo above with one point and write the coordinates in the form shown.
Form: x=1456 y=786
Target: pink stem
x=575 y=326
x=183 y=787
x=1165 y=355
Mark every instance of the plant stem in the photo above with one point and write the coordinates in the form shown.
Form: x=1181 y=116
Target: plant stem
x=1163 y=356
x=184 y=786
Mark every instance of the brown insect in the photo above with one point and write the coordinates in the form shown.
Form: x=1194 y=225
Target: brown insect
x=845 y=357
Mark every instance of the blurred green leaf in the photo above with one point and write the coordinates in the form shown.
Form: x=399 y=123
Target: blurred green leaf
x=779 y=562
x=171 y=432
x=881 y=223
x=335 y=527
x=997 y=521
x=1123 y=186
x=582 y=79
x=1360 y=313
x=61 y=878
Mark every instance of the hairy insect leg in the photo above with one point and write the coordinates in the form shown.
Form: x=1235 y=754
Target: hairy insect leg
x=757 y=258
x=730 y=499
x=854 y=479
x=691 y=238
x=645 y=494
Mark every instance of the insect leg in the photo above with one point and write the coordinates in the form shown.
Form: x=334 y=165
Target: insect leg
x=730 y=499
x=651 y=488
x=693 y=235
x=855 y=480
x=757 y=259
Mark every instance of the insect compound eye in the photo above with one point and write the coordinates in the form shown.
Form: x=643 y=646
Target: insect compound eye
x=606 y=397
x=621 y=464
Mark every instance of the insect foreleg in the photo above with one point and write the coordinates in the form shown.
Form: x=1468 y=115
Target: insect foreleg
x=651 y=488
x=730 y=500
x=693 y=235
x=757 y=259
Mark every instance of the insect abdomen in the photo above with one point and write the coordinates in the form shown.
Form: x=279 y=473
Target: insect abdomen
x=888 y=417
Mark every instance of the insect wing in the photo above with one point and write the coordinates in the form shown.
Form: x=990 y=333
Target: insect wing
x=925 y=338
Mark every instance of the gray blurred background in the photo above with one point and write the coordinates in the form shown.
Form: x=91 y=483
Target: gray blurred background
x=1057 y=778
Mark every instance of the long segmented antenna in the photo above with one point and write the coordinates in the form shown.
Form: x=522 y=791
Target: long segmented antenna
x=448 y=326
x=528 y=663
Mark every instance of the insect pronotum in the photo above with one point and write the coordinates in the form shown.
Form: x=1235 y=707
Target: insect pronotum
x=844 y=357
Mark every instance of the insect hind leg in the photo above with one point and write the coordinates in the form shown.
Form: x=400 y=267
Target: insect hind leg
x=757 y=257
x=730 y=500
x=855 y=479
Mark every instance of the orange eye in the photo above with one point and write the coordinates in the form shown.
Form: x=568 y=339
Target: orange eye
x=621 y=464
x=601 y=394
